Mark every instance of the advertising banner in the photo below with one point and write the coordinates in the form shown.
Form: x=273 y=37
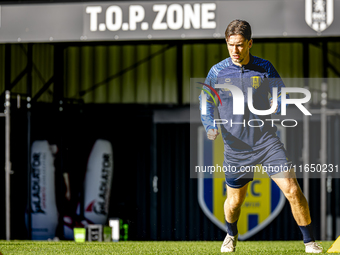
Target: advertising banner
x=44 y=213
x=97 y=185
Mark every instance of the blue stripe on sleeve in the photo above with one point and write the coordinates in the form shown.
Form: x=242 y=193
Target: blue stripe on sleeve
x=211 y=79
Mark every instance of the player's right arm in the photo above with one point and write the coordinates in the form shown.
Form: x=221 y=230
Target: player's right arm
x=208 y=118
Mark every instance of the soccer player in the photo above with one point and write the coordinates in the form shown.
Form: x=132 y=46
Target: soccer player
x=244 y=144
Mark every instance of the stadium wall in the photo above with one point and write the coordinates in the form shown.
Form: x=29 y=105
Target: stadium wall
x=149 y=73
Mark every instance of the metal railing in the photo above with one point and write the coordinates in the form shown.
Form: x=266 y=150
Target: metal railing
x=6 y=114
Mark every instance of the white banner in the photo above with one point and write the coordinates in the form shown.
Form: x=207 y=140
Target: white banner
x=44 y=214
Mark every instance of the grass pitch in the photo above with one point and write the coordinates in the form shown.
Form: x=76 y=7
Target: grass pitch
x=69 y=247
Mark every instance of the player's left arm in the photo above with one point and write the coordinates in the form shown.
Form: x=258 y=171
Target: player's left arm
x=275 y=81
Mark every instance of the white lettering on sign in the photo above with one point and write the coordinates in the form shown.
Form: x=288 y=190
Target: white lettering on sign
x=192 y=16
x=208 y=15
x=136 y=14
x=93 y=11
x=175 y=16
x=172 y=16
x=114 y=25
x=158 y=24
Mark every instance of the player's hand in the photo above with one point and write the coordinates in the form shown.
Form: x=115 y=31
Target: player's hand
x=212 y=134
x=271 y=103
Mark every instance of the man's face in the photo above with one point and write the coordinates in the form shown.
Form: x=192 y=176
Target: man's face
x=238 y=48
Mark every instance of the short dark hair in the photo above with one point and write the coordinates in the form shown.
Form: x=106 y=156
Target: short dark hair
x=238 y=27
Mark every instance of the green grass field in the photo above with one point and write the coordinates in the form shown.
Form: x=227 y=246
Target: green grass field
x=64 y=247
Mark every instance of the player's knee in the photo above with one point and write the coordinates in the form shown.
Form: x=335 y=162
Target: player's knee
x=234 y=203
x=294 y=194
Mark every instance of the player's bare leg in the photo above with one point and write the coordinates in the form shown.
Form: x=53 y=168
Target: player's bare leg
x=233 y=203
x=232 y=210
x=291 y=189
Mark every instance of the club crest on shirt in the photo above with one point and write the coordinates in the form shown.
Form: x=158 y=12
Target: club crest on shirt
x=228 y=82
x=255 y=81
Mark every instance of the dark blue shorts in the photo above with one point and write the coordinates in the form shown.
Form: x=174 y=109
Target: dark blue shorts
x=240 y=164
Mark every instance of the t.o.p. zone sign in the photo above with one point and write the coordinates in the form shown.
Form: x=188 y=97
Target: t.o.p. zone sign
x=150 y=20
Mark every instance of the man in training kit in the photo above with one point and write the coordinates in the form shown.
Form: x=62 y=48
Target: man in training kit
x=244 y=144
